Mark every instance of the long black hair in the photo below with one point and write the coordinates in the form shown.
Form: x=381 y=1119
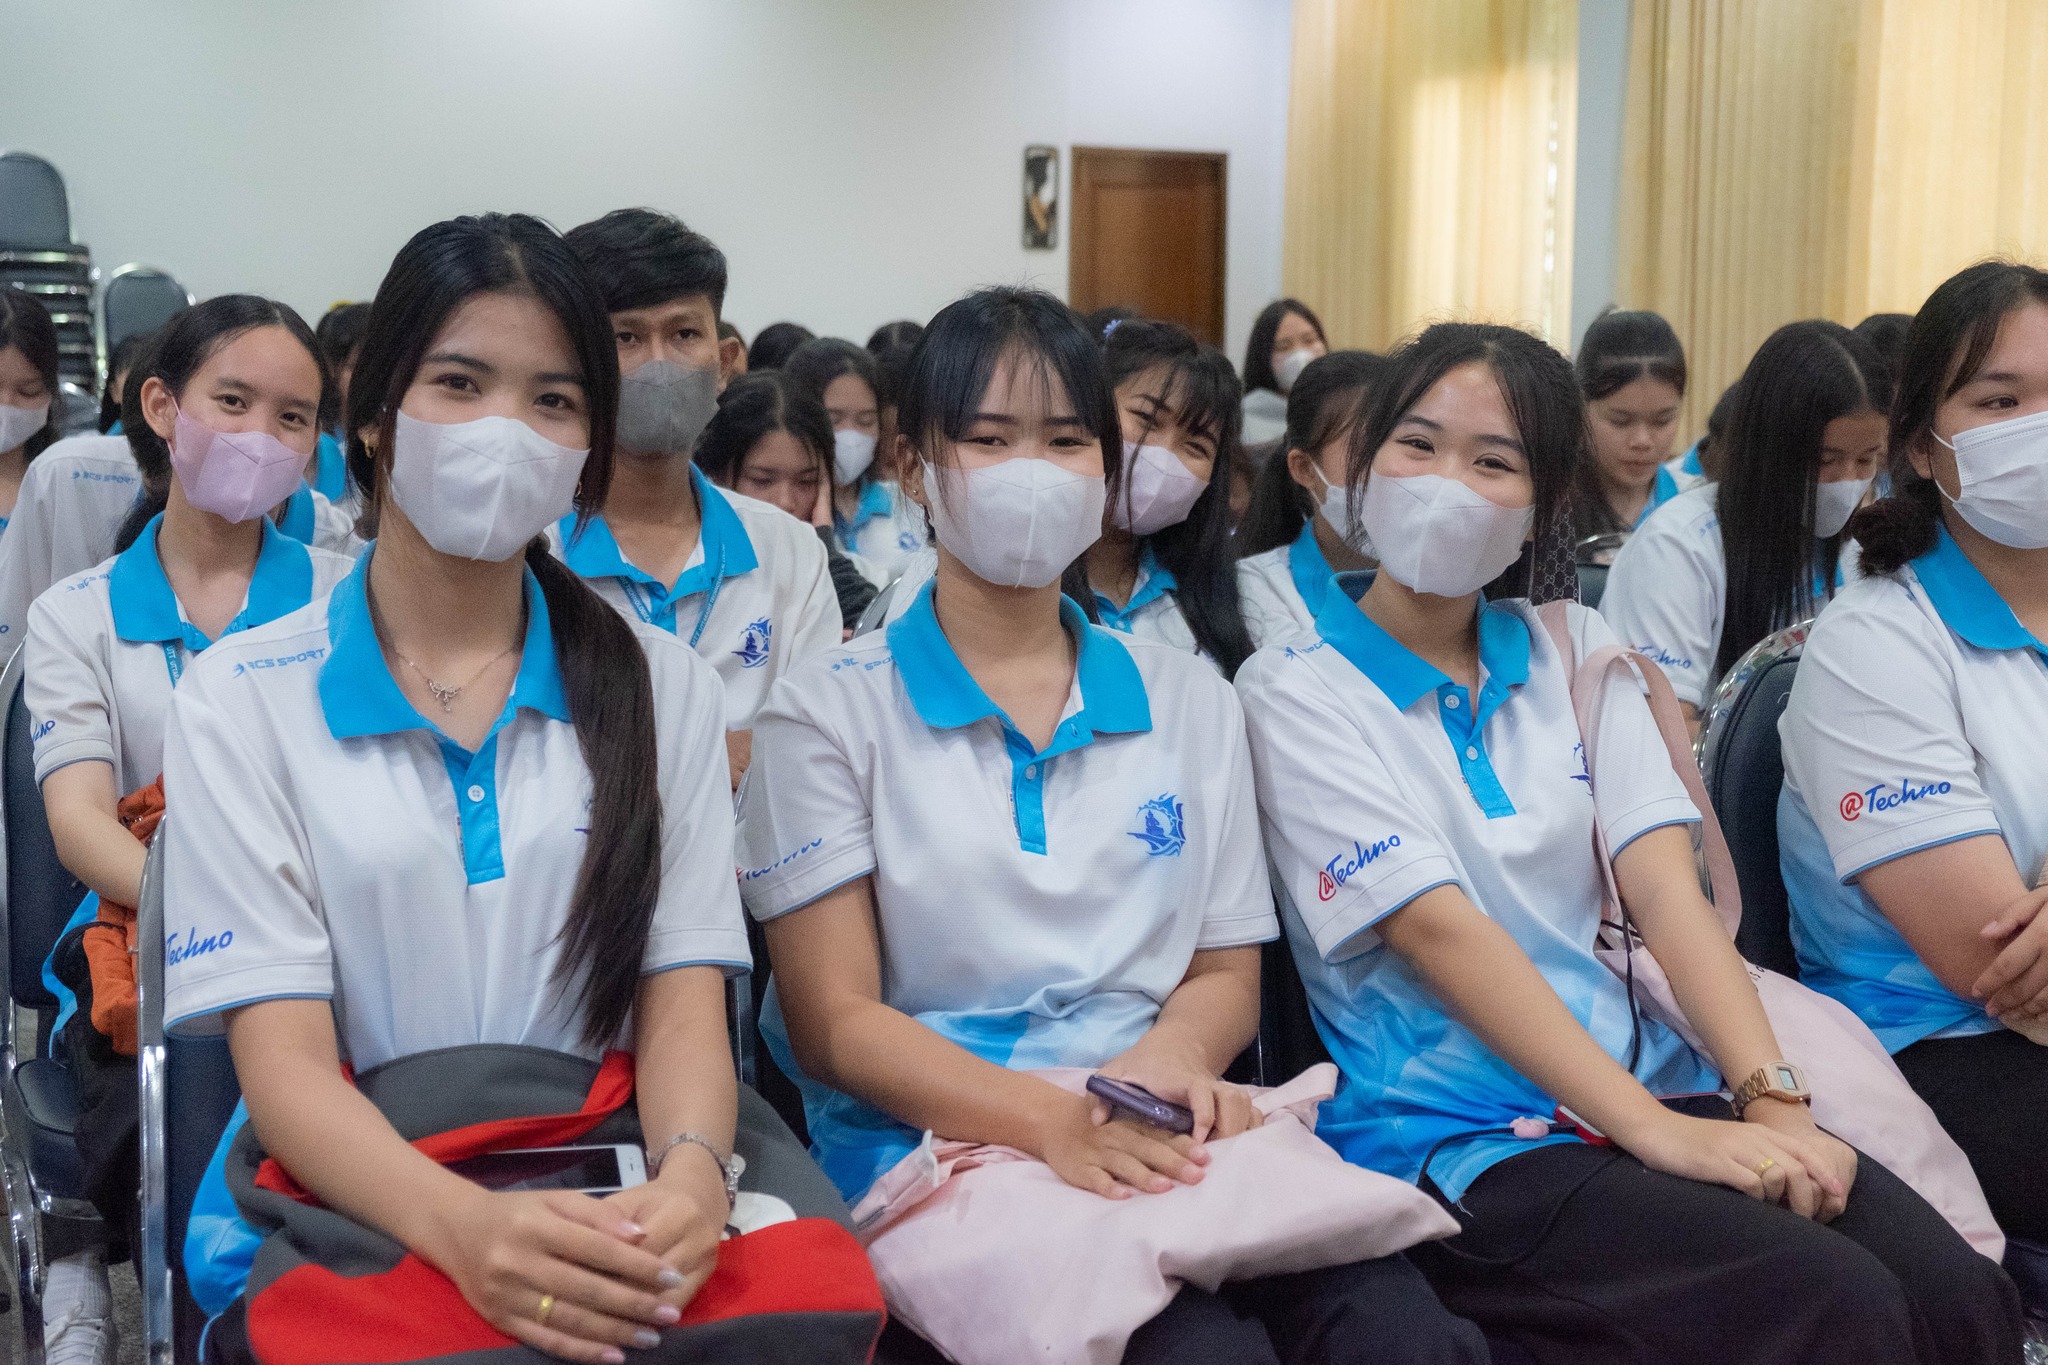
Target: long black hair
x=120 y=364
x=955 y=360
x=775 y=343
x=1324 y=404
x=1804 y=376
x=1542 y=396
x=1618 y=349
x=903 y=332
x=1258 y=348
x=611 y=699
x=26 y=325
x=181 y=347
x=813 y=366
x=1201 y=386
x=1948 y=343
x=753 y=406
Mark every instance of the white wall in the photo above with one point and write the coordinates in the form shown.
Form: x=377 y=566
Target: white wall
x=858 y=160
x=1596 y=209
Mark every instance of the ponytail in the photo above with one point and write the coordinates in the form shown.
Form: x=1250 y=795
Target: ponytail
x=611 y=702
x=1897 y=530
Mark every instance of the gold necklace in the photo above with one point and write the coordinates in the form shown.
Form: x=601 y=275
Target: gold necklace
x=443 y=693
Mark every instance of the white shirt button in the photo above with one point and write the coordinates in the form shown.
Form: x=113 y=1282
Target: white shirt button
x=1032 y=772
x=1472 y=752
x=476 y=793
x=1451 y=701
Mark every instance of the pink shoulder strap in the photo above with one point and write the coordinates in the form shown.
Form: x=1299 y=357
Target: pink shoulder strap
x=1588 y=677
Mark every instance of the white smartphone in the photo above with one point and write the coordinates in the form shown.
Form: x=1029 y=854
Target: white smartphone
x=604 y=1168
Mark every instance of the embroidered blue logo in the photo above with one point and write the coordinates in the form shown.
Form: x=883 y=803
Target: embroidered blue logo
x=753 y=650
x=748 y=874
x=1662 y=657
x=1345 y=866
x=1165 y=833
x=907 y=541
x=1584 y=774
x=278 y=661
x=193 y=946
x=1879 y=798
x=94 y=476
x=42 y=728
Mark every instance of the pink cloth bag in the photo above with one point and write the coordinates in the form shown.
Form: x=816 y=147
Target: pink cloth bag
x=994 y=1259
x=1859 y=1094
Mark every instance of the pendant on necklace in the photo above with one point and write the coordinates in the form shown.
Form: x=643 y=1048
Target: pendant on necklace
x=445 y=695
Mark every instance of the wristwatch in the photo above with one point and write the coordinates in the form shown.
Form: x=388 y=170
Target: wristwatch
x=1779 y=1081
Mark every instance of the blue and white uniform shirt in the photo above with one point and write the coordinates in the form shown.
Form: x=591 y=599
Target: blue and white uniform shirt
x=1915 y=720
x=1282 y=590
x=754 y=599
x=1668 y=591
x=105 y=648
x=1380 y=779
x=74 y=497
x=885 y=530
x=329 y=842
x=1152 y=613
x=1035 y=906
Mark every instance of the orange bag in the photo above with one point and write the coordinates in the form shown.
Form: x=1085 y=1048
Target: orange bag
x=109 y=942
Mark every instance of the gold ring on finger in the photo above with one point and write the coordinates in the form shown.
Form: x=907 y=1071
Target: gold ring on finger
x=547 y=1306
x=1766 y=1164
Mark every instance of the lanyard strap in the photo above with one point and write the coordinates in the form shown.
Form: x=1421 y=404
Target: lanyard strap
x=641 y=596
x=172 y=663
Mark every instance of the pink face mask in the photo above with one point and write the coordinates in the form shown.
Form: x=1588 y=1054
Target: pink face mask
x=239 y=475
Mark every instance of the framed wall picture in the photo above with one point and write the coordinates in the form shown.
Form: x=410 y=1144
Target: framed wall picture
x=1041 y=198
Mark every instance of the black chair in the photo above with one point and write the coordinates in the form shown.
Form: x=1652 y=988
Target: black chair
x=1744 y=772
x=137 y=299
x=47 y=1211
x=1593 y=556
x=34 y=209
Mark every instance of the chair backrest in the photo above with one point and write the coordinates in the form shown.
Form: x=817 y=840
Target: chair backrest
x=137 y=299
x=34 y=210
x=1592 y=584
x=41 y=893
x=1744 y=771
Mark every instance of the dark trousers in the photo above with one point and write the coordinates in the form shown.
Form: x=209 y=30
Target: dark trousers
x=1991 y=1091
x=1583 y=1255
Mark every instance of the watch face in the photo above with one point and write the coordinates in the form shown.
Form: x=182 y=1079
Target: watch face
x=1786 y=1077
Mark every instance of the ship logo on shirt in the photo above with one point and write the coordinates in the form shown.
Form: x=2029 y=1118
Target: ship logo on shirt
x=1164 y=832
x=754 y=643
x=1584 y=774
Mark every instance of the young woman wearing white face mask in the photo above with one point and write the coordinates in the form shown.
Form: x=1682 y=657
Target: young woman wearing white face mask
x=874 y=523
x=234 y=391
x=1429 y=813
x=28 y=389
x=1299 y=532
x=1722 y=566
x=1093 y=790
x=1285 y=338
x=1915 y=814
x=463 y=803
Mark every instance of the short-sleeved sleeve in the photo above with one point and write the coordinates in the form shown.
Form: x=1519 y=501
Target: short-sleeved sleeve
x=66 y=687
x=1635 y=788
x=1664 y=597
x=697 y=919
x=241 y=917
x=806 y=825
x=1345 y=845
x=1873 y=735
x=24 y=557
x=1239 y=906
x=815 y=623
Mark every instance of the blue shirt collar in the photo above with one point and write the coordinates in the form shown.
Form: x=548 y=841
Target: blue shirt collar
x=1155 y=580
x=946 y=695
x=874 y=502
x=593 y=552
x=359 y=696
x=1662 y=490
x=1311 y=571
x=299 y=521
x=1966 y=601
x=146 y=609
x=1397 y=671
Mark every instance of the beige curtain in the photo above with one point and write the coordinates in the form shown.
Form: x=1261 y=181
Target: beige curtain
x=1429 y=164
x=1824 y=158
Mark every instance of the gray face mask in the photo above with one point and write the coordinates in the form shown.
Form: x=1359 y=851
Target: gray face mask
x=664 y=407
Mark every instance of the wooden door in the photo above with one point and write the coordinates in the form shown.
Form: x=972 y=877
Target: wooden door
x=1148 y=232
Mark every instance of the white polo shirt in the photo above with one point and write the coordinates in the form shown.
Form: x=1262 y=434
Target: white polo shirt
x=1035 y=906
x=760 y=580
x=74 y=497
x=1153 y=612
x=1916 y=719
x=886 y=529
x=1282 y=589
x=326 y=841
x=1379 y=779
x=106 y=647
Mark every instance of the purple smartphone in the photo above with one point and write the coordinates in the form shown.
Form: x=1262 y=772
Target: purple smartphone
x=1136 y=1102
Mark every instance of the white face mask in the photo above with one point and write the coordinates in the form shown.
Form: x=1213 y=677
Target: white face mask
x=664 y=407
x=1336 y=509
x=1834 y=503
x=1436 y=535
x=1291 y=365
x=18 y=424
x=1159 y=491
x=1017 y=524
x=482 y=489
x=852 y=453
x=2003 y=469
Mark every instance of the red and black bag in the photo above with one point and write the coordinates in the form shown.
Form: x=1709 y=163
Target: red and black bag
x=326 y=1290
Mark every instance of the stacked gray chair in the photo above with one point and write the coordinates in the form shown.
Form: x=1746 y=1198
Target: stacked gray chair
x=47 y=1212
x=137 y=299
x=38 y=256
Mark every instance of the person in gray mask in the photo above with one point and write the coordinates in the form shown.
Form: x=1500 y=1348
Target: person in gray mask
x=745 y=583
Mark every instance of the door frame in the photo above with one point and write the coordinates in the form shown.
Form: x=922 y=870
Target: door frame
x=1081 y=225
